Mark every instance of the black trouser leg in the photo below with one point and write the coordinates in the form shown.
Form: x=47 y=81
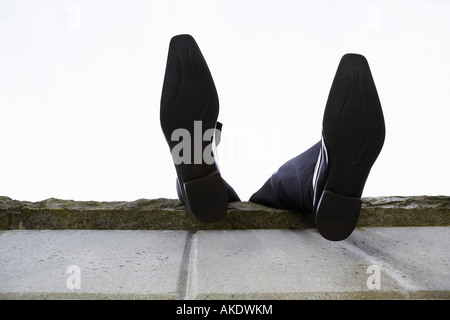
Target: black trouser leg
x=291 y=186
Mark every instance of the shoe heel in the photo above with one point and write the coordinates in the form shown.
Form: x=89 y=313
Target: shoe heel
x=337 y=215
x=207 y=197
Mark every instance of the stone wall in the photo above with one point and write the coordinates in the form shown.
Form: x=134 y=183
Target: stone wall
x=170 y=214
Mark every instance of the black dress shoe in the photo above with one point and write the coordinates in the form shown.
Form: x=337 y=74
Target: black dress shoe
x=188 y=114
x=353 y=134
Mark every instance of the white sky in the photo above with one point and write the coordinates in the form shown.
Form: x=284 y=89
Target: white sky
x=80 y=87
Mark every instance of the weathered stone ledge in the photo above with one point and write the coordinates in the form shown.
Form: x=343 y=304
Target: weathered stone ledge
x=170 y=214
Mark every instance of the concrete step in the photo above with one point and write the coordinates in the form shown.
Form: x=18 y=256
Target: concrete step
x=373 y=263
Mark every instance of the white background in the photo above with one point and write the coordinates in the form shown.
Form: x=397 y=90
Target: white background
x=80 y=87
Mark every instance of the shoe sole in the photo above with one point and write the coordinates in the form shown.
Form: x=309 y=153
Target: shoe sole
x=189 y=95
x=353 y=135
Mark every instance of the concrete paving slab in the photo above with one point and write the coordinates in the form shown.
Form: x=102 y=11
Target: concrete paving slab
x=418 y=258
x=109 y=264
x=300 y=264
x=373 y=263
